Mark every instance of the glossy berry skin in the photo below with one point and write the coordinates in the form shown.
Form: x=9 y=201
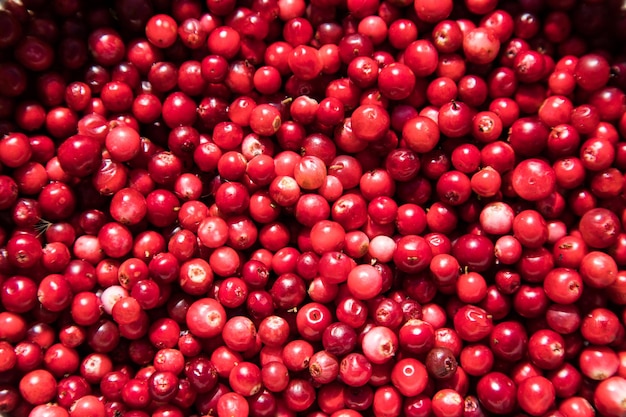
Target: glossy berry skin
x=80 y=155
x=206 y=318
x=608 y=395
x=533 y=179
x=535 y=395
x=327 y=208
x=409 y=376
x=38 y=387
x=497 y=393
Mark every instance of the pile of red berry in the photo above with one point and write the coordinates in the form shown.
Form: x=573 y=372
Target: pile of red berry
x=324 y=208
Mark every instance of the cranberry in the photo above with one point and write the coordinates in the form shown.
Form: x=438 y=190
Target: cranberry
x=38 y=387
x=206 y=318
x=440 y=363
x=396 y=81
x=497 y=393
x=535 y=395
x=409 y=376
x=480 y=45
x=599 y=227
x=327 y=210
x=608 y=396
x=474 y=251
